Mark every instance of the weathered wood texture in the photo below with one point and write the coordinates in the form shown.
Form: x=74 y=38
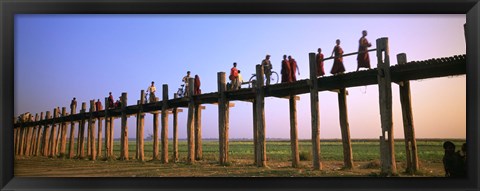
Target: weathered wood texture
x=81 y=133
x=388 y=165
x=293 y=131
x=164 y=133
x=140 y=128
x=124 y=131
x=91 y=128
x=190 y=125
x=107 y=129
x=345 y=129
x=156 y=155
x=222 y=119
x=198 y=132
x=408 y=127
x=260 y=110
x=315 y=113
x=71 y=146
x=175 y=131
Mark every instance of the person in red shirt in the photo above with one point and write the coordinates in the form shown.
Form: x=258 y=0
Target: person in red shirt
x=319 y=60
x=110 y=101
x=234 y=76
x=363 y=60
x=293 y=69
x=337 y=67
x=285 y=70
x=98 y=105
x=196 y=86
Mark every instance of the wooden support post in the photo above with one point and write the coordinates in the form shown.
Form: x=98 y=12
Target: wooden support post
x=71 y=146
x=111 y=139
x=385 y=98
x=99 y=135
x=156 y=155
x=46 y=134
x=39 y=136
x=53 y=132
x=141 y=122
x=35 y=138
x=222 y=118
x=81 y=133
x=315 y=113
x=175 y=131
x=58 y=133
x=198 y=132
x=408 y=127
x=190 y=128
x=107 y=129
x=164 y=133
x=28 y=140
x=124 y=134
x=293 y=131
x=255 y=132
x=91 y=128
x=345 y=129
x=63 y=143
x=260 y=110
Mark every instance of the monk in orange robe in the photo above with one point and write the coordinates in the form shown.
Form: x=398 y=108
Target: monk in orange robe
x=293 y=69
x=319 y=60
x=285 y=70
x=363 y=59
x=337 y=67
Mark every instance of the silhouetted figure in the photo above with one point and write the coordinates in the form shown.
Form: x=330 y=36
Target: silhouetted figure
x=462 y=161
x=363 y=60
x=448 y=158
x=110 y=100
x=196 y=86
x=337 y=67
x=73 y=103
x=267 y=68
x=98 y=105
x=293 y=69
x=234 y=77
x=285 y=70
x=319 y=61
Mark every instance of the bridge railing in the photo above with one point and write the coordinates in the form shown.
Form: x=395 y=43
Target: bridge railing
x=350 y=54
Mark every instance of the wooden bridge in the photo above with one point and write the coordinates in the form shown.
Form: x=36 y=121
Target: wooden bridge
x=37 y=138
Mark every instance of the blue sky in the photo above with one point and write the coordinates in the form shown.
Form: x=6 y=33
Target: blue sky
x=58 y=57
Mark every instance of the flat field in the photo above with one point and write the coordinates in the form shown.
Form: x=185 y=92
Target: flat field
x=366 y=155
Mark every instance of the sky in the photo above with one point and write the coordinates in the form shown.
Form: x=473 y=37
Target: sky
x=58 y=57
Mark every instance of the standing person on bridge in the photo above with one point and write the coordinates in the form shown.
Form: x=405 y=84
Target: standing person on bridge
x=110 y=101
x=293 y=68
x=240 y=79
x=319 y=60
x=73 y=103
x=337 y=67
x=185 y=81
x=286 y=77
x=234 y=77
x=196 y=86
x=363 y=59
x=98 y=105
x=152 y=89
x=267 y=68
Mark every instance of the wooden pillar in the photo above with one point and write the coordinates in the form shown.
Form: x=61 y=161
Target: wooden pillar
x=71 y=145
x=164 y=133
x=28 y=140
x=107 y=129
x=293 y=131
x=124 y=134
x=260 y=110
x=58 y=133
x=222 y=118
x=345 y=129
x=53 y=134
x=46 y=134
x=111 y=139
x=91 y=128
x=99 y=135
x=255 y=132
x=385 y=98
x=198 y=132
x=40 y=135
x=156 y=155
x=140 y=128
x=175 y=131
x=63 y=142
x=190 y=128
x=81 y=133
x=315 y=113
x=408 y=127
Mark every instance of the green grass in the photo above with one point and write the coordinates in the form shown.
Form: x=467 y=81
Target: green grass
x=363 y=150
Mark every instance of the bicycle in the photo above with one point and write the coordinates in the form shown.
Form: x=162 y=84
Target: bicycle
x=181 y=92
x=273 y=79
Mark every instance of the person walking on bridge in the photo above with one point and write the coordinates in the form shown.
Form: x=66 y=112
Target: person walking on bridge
x=267 y=68
x=337 y=67
x=363 y=60
x=234 y=77
x=293 y=69
x=285 y=70
x=319 y=60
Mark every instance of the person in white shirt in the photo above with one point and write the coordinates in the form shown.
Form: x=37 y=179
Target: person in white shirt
x=240 y=80
x=152 y=91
